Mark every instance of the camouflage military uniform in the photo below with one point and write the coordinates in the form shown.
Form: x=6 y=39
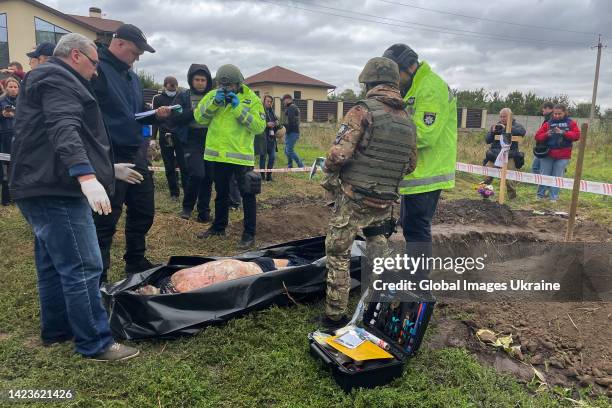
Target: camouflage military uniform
x=353 y=211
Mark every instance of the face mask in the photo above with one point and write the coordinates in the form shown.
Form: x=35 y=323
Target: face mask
x=171 y=93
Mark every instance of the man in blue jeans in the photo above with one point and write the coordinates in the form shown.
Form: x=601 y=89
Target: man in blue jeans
x=62 y=167
x=292 y=119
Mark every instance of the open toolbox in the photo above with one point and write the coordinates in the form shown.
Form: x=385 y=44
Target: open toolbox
x=401 y=325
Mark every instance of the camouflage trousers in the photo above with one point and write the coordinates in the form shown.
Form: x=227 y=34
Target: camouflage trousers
x=348 y=218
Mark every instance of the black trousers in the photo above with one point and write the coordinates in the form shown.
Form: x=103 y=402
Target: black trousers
x=223 y=173
x=5 y=175
x=140 y=202
x=417 y=212
x=173 y=155
x=198 y=188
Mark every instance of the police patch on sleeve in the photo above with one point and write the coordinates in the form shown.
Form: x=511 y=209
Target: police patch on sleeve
x=341 y=132
x=429 y=118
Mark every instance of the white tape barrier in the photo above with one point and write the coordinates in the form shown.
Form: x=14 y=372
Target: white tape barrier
x=530 y=178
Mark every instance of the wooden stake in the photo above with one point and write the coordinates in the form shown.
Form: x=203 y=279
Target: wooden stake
x=504 y=169
x=569 y=234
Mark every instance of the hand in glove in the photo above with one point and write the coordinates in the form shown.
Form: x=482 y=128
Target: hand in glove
x=235 y=100
x=124 y=172
x=96 y=195
x=220 y=97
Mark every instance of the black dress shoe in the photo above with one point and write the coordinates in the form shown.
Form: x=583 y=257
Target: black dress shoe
x=185 y=214
x=246 y=242
x=210 y=233
x=143 y=265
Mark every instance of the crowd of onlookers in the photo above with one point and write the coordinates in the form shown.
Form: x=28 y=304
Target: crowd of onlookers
x=551 y=153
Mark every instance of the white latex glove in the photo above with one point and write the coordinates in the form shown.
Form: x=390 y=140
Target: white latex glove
x=124 y=172
x=96 y=196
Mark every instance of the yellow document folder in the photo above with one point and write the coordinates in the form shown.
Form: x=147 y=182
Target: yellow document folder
x=365 y=351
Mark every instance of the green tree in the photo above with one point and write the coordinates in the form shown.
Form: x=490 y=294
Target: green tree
x=346 y=95
x=583 y=110
x=147 y=80
x=471 y=98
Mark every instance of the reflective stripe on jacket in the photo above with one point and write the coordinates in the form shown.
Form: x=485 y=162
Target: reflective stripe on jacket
x=434 y=109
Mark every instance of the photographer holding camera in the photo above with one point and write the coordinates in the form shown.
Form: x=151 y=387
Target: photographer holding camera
x=234 y=114
x=516 y=159
x=8 y=103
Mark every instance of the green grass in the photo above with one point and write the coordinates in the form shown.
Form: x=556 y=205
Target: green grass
x=260 y=360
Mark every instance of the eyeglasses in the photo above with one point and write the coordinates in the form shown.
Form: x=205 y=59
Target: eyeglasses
x=93 y=62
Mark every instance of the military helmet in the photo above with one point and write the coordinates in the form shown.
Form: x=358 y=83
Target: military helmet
x=229 y=74
x=402 y=54
x=380 y=70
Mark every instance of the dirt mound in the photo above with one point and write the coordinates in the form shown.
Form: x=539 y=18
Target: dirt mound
x=292 y=222
x=569 y=343
x=467 y=211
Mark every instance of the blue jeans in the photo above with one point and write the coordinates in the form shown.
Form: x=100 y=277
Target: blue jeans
x=290 y=141
x=416 y=213
x=68 y=265
x=535 y=166
x=555 y=168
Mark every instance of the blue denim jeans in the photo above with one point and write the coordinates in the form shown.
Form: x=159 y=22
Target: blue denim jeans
x=68 y=265
x=290 y=141
x=535 y=166
x=555 y=168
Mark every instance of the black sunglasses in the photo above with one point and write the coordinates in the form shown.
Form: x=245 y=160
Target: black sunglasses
x=93 y=62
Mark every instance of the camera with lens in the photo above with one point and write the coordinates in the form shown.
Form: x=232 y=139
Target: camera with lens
x=226 y=90
x=498 y=129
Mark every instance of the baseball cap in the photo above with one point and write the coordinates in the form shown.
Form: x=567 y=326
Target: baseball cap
x=132 y=33
x=45 y=48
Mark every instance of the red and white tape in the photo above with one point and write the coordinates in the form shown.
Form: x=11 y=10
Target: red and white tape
x=531 y=178
x=292 y=170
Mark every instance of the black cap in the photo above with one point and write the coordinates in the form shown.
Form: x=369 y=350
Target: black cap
x=132 y=33
x=45 y=48
x=403 y=55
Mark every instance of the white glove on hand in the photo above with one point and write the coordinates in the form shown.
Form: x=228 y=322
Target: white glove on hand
x=96 y=196
x=124 y=172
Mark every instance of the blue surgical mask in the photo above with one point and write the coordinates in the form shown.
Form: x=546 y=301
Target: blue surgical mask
x=171 y=93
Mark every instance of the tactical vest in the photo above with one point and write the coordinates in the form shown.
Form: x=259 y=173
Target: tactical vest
x=555 y=140
x=382 y=159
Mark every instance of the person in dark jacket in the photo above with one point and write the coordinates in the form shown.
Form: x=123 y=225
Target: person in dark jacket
x=8 y=103
x=516 y=159
x=169 y=143
x=40 y=54
x=120 y=97
x=292 y=118
x=547 y=108
x=269 y=148
x=198 y=187
x=558 y=134
x=62 y=170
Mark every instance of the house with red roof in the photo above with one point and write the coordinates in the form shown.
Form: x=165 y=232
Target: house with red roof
x=278 y=81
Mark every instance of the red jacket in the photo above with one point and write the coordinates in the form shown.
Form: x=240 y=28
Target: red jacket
x=570 y=136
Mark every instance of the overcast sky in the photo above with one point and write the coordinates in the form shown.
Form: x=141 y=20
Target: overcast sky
x=256 y=35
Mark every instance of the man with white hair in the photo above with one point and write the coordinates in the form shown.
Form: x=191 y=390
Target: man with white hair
x=62 y=169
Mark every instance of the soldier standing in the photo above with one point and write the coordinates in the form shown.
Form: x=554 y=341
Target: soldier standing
x=374 y=149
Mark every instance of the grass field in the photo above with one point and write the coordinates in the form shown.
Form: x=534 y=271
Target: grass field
x=260 y=360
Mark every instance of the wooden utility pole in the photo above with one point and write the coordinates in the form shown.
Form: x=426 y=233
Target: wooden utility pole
x=569 y=234
x=594 y=97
